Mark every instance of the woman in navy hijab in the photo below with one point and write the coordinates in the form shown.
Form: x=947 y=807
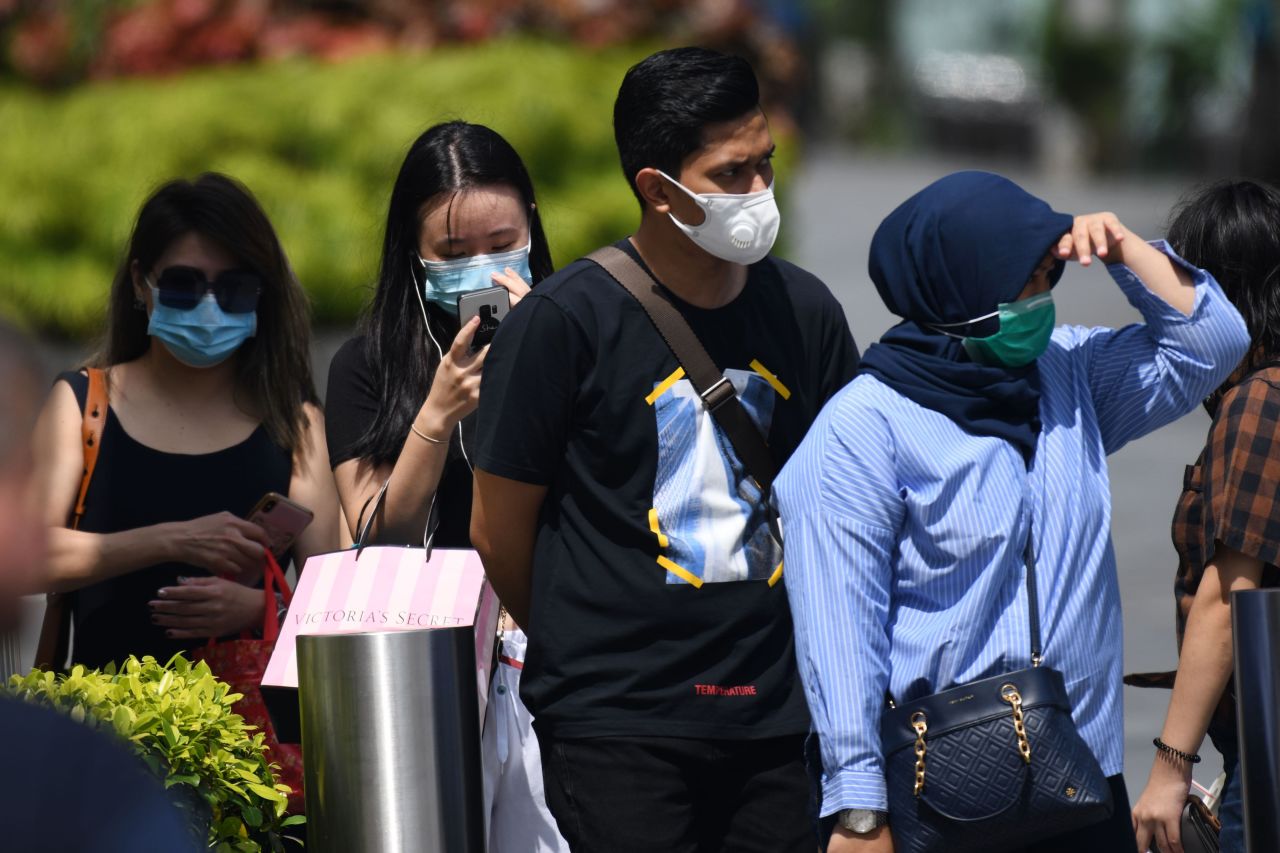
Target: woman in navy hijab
x=977 y=432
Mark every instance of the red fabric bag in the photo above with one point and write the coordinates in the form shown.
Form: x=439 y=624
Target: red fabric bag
x=241 y=663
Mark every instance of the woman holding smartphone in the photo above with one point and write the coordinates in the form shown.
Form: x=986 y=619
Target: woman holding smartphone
x=401 y=395
x=211 y=406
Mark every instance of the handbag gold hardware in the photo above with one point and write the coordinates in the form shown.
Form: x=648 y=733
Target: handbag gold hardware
x=918 y=723
x=1010 y=694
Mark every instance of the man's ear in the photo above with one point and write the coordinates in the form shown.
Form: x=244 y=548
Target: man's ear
x=653 y=189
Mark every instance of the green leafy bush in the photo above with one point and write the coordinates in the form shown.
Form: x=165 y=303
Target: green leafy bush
x=178 y=719
x=319 y=144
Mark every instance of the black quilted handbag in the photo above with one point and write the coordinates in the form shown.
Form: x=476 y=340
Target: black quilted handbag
x=992 y=765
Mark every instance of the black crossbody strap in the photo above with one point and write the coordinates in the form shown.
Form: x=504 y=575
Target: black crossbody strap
x=1033 y=600
x=712 y=385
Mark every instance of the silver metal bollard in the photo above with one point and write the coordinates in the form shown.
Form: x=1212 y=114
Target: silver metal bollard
x=391 y=742
x=1255 y=624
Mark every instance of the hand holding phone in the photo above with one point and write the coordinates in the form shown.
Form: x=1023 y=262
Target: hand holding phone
x=282 y=519
x=490 y=305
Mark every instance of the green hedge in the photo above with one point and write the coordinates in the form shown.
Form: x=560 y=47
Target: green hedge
x=318 y=144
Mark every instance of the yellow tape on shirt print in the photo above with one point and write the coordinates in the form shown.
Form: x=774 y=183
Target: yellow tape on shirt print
x=675 y=569
x=680 y=572
x=663 y=541
x=664 y=386
x=783 y=391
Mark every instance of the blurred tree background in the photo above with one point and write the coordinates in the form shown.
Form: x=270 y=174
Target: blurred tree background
x=318 y=143
x=312 y=103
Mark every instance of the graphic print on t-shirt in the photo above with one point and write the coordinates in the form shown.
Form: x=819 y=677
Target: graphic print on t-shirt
x=707 y=512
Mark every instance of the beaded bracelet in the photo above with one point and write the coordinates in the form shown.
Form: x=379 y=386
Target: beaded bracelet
x=1189 y=757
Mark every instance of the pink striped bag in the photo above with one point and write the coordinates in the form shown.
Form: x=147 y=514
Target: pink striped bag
x=389 y=588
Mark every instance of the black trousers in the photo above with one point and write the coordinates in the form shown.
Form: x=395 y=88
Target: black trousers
x=678 y=795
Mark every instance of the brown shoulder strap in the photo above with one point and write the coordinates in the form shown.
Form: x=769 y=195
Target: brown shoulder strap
x=55 y=633
x=708 y=380
x=95 y=415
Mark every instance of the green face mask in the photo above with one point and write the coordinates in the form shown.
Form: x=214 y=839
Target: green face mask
x=1025 y=328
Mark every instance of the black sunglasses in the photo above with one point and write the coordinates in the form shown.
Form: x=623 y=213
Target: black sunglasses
x=183 y=287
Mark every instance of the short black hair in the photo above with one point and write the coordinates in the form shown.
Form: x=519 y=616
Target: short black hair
x=1232 y=229
x=666 y=100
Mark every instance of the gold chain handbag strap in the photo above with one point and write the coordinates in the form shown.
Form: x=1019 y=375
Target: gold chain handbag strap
x=921 y=725
x=1010 y=694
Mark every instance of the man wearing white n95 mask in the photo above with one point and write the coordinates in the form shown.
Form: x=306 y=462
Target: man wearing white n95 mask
x=614 y=515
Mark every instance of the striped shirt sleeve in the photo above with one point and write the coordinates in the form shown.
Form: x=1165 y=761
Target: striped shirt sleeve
x=1147 y=375
x=842 y=515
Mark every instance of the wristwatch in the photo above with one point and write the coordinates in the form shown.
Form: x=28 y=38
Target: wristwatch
x=862 y=821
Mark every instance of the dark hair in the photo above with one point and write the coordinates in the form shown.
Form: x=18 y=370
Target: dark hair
x=273 y=368
x=1232 y=230
x=666 y=100
x=447 y=158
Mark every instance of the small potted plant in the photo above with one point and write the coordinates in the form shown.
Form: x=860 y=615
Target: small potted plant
x=177 y=717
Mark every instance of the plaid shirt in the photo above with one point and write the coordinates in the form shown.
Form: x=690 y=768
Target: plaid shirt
x=1232 y=495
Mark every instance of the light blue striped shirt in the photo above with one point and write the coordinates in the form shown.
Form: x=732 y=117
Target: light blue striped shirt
x=905 y=534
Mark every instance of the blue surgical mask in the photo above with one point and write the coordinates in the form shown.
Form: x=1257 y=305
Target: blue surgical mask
x=202 y=336
x=447 y=280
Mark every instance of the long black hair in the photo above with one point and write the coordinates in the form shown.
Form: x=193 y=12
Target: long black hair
x=447 y=158
x=1232 y=230
x=273 y=368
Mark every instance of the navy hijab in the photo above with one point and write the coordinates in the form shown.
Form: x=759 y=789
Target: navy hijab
x=948 y=254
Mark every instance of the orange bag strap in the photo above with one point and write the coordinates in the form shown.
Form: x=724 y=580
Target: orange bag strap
x=55 y=633
x=95 y=416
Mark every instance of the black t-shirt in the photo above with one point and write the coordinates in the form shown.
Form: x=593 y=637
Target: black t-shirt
x=136 y=486
x=657 y=607
x=352 y=404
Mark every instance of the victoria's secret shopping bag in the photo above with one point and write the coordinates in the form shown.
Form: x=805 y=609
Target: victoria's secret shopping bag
x=383 y=589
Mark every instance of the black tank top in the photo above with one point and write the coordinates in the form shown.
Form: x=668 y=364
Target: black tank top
x=137 y=486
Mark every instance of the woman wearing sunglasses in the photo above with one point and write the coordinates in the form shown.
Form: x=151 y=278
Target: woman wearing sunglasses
x=211 y=406
x=401 y=397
